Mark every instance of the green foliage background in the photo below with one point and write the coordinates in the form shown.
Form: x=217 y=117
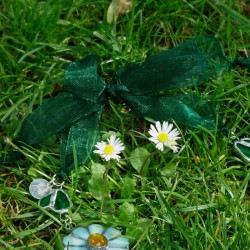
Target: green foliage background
x=196 y=199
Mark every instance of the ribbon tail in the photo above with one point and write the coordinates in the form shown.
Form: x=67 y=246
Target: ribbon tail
x=180 y=108
x=79 y=142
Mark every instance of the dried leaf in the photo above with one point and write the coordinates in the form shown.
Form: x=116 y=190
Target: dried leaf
x=117 y=8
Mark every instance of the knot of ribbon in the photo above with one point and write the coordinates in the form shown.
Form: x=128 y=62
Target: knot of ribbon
x=152 y=89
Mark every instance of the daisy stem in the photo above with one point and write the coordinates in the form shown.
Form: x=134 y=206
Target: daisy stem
x=105 y=180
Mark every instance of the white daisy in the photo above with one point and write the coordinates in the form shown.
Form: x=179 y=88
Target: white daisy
x=163 y=135
x=110 y=150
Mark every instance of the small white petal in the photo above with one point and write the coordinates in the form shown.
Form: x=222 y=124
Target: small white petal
x=175 y=149
x=153 y=130
x=97 y=151
x=116 y=157
x=174 y=133
x=106 y=157
x=151 y=133
x=165 y=127
x=111 y=140
x=159 y=146
x=119 y=148
x=153 y=140
x=117 y=142
x=158 y=126
x=169 y=127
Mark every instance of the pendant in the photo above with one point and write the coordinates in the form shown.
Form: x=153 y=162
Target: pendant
x=242 y=148
x=55 y=199
x=95 y=237
x=39 y=188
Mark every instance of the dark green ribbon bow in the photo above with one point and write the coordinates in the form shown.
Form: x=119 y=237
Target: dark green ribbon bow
x=143 y=86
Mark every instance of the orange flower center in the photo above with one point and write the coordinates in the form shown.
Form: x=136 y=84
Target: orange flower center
x=97 y=240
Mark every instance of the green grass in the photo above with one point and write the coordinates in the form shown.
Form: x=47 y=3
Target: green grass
x=196 y=199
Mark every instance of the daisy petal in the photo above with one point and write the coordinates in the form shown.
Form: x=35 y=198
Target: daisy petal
x=159 y=146
x=158 y=126
x=153 y=130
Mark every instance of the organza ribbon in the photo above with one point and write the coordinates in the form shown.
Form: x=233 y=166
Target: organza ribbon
x=153 y=89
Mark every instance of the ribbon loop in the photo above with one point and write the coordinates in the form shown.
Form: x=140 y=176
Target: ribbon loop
x=55 y=115
x=194 y=62
x=82 y=79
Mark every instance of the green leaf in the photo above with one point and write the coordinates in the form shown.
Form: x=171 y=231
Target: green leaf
x=126 y=212
x=97 y=168
x=138 y=229
x=139 y=158
x=168 y=170
x=33 y=172
x=128 y=186
x=108 y=134
x=58 y=241
x=96 y=181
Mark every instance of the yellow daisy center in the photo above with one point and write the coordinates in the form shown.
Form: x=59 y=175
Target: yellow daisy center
x=162 y=137
x=108 y=150
x=97 y=240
